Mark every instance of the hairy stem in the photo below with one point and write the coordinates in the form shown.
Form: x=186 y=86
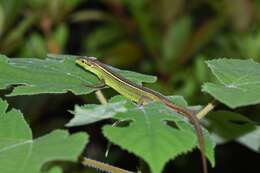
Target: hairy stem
x=102 y=166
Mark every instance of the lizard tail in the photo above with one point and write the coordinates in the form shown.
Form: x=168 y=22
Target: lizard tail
x=194 y=120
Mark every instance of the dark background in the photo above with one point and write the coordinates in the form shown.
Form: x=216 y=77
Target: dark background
x=168 y=38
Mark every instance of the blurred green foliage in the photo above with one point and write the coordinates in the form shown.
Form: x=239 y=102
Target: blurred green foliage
x=167 y=38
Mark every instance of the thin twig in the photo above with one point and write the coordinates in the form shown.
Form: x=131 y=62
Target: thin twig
x=109 y=143
x=205 y=110
x=100 y=96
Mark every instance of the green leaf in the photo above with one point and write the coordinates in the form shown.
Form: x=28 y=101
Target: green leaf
x=60 y=35
x=11 y=10
x=2 y=19
x=102 y=39
x=176 y=37
x=58 y=74
x=146 y=24
x=35 y=45
x=201 y=71
x=150 y=137
x=226 y=126
x=13 y=38
x=251 y=140
x=92 y=113
x=19 y=153
x=55 y=170
x=150 y=134
x=229 y=125
x=239 y=82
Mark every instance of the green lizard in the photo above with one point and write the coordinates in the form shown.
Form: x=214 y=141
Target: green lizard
x=138 y=94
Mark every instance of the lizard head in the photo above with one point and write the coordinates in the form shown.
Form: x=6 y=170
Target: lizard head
x=89 y=63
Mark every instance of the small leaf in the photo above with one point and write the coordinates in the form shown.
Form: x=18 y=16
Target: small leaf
x=178 y=100
x=11 y=9
x=13 y=38
x=144 y=19
x=251 y=140
x=176 y=37
x=35 y=45
x=239 y=82
x=229 y=125
x=52 y=75
x=92 y=113
x=60 y=35
x=101 y=40
x=19 y=153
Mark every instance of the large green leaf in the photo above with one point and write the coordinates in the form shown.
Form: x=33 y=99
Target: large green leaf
x=239 y=82
x=150 y=134
x=19 y=153
x=92 y=113
x=57 y=74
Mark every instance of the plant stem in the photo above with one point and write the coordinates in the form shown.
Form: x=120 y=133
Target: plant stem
x=205 y=110
x=100 y=96
x=102 y=166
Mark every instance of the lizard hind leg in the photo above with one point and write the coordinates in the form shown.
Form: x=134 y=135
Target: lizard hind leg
x=143 y=100
x=100 y=85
